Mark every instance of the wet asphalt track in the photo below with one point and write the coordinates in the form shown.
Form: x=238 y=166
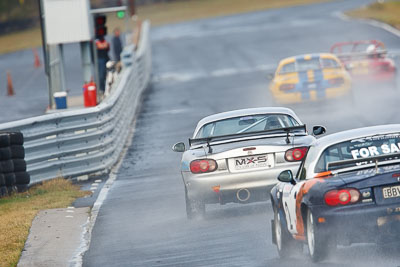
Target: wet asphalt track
x=210 y=66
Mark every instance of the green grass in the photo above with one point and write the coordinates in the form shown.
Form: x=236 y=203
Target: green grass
x=388 y=12
x=18 y=211
x=178 y=11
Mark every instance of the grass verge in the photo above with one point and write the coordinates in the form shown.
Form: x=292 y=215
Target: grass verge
x=163 y=13
x=388 y=12
x=18 y=211
x=178 y=11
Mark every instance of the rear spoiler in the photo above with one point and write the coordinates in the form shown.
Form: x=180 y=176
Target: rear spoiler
x=360 y=54
x=371 y=161
x=265 y=134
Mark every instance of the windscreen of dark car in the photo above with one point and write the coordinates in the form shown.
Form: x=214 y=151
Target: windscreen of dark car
x=359 y=148
x=246 y=124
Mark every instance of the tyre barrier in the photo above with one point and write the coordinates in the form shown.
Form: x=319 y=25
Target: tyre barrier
x=13 y=175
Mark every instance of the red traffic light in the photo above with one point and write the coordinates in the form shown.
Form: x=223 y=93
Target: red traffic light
x=100 y=28
x=100 y=20
x=101 y=31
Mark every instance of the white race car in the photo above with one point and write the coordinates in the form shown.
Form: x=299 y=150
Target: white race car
x=236 y=156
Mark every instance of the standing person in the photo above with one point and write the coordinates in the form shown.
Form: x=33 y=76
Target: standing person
x=102 y=47
x=117 y=48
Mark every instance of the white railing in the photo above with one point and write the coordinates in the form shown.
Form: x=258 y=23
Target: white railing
x=80 y=142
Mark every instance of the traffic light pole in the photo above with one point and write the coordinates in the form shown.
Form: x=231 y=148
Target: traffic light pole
x=87 y=62
x=45 y=52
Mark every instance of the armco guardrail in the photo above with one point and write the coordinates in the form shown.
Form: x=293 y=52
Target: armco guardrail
x=74 y=143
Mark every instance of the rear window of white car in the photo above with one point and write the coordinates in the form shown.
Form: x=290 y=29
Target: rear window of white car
x=365 y=147
x=245 y=124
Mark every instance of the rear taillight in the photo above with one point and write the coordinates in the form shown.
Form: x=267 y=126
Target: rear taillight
x=287 y=86
x=203 y=165
x=296 y=154
x=336 y=81
x=342 y=197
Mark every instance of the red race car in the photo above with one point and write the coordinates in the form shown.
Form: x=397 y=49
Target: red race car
x=366 y=61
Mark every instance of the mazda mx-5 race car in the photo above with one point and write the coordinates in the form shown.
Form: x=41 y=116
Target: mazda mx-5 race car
x=310 y=77
x=235 y=156
x=367 y=61
x=347 y=190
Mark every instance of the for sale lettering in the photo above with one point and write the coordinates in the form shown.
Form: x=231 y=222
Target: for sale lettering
x=372 y=151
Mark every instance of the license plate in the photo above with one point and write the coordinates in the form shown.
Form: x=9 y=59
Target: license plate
x=251 y=162
x=391 y=192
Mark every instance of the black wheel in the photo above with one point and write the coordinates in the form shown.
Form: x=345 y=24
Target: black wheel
x=3 y=191
x=9 y=179
x=22 y=178
x=19 y=165
x=4 y=140
x=285 y=243
x=318 y=243
x=2 y=180
x=5 y=153
x=22 y=188
x=194 y=208
x=17 y=152
x=7 y=166
x=16 y=138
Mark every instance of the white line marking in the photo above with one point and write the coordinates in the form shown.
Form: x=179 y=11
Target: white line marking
x=69 y=216
x=97 y=181
x=70 y=211
x=77 y=260
x=71 y=208
x=185 y=77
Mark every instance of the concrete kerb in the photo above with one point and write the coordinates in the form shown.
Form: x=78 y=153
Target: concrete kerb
x=86 y=237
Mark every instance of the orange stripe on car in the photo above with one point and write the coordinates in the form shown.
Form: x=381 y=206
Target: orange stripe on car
x=305 y=188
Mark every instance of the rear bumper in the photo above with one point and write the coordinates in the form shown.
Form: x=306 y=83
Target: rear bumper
x=226 y=187
x=297 y=97
x=360 y=223
x=383 y=76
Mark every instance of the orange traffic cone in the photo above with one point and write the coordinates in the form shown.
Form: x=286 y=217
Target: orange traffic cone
x=37 y=59
x=10 y=88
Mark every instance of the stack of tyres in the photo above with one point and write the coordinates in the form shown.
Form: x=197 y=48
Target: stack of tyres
x=5 y=162
x=22 y=177
x=13 y=175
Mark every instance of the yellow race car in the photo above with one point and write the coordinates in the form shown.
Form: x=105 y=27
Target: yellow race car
x=310 y=77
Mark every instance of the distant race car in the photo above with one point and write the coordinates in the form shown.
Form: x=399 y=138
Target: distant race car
x=367 y=61
x=347 y=190
x=310 y=77
x=235 y=156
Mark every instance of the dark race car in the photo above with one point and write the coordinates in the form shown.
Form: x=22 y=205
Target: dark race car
x=347 y=190
x=367 y=61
